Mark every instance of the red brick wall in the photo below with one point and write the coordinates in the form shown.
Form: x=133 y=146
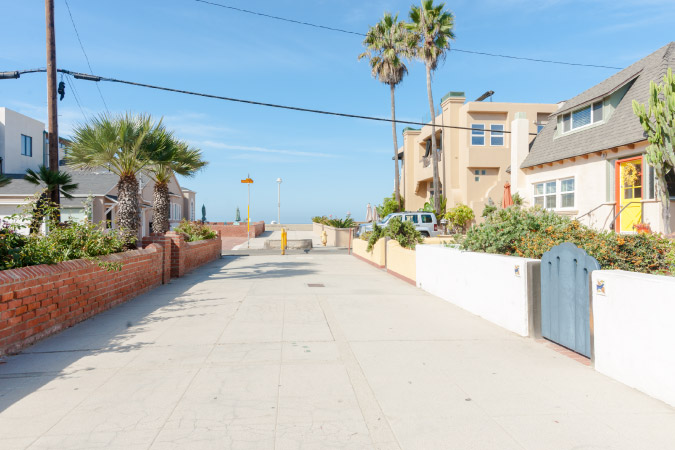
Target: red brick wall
x=38 y=301
x=227 y=229
x=200 y=252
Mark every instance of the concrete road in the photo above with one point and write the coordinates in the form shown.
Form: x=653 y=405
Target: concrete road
x=310 y=351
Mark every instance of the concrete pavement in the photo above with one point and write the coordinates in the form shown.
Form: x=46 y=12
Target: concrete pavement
x=310 y=351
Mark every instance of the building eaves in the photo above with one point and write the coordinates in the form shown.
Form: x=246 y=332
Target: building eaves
x=621 y=128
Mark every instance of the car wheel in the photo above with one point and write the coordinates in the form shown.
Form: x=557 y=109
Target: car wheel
x=425 y=234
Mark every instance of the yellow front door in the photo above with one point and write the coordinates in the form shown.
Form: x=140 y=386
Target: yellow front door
x=630 y=193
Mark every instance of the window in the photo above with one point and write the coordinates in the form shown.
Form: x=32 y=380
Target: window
x=426 y=218
x=545 y=194
x=556 y=194
x=26 y=145
x=478 y=134
x=192 y=211
x=478 y=172
x=496 y=134
x=582 y=117
x=567 y=193
x=540 y=126
x=410 y=218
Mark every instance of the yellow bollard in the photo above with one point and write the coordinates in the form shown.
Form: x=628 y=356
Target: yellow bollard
x=284 y=241
x=324 y=238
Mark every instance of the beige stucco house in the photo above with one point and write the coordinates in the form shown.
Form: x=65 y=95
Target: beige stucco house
x=473 y=157
x=100 y=184
x=588 y=162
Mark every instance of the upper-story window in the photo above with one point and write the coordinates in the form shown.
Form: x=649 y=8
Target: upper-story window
x=582 y=117
x=496 y=134
x=26 y=145
x=478 y=134
x=540 y=126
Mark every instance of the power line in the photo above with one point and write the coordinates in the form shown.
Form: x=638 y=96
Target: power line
x=97 y=78
x=84 y=52
x=72 y=89
x=340 y=30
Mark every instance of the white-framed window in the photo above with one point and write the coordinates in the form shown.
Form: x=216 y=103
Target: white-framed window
x=26 y=145
x=478 y=134
x=555 y=194
x=567 y=193
x=540 y=126
x=496 y=134
x=582 y=117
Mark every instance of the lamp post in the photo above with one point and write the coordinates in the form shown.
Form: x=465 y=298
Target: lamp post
x=279 y=200
x=249 y=182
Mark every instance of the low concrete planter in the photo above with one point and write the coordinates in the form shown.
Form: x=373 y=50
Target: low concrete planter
x=374 y=257
x=498 y=288
x=317 y=228
x=337 y=237
x=401 y=262
x=633 y=330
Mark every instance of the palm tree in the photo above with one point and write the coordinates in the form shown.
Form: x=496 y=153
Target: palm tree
x=433 y=27
x=61 y=182
x=386 y=44
x=120 y=144
x=4 y=180
x=172 y=157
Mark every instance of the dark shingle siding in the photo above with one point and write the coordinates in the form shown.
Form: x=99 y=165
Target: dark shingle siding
x=620 y=129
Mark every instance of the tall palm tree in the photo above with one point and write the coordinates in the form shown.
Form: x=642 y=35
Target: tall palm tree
x=386 y=44
x=4 y=180
x=120 y=144
x=172 y=157
x=61 y=182
x=433 y=27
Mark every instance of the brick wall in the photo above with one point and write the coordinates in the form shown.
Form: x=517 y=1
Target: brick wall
x=38 y=301
x=227 y=229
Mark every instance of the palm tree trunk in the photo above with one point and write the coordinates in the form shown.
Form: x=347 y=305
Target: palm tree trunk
x=55 y=201
x=397 y=189
x=434 y=155
x=38 y=213
x=128 y=208
x=160 y=208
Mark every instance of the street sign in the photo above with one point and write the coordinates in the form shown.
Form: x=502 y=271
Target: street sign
x=248 y=180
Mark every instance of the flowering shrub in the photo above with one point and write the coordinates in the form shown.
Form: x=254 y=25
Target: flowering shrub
x=195 y=231
x=459 y=216
x=532 y=232
x=320 y=219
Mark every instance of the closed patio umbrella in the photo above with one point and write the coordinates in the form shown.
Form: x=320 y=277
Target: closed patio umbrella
x=376 y=217
x=369 y=213
x=508 y=200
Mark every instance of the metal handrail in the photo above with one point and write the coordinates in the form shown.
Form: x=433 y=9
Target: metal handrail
x=597 y=207
x=611 y=224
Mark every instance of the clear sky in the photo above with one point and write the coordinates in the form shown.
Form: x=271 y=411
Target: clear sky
x=329 y=165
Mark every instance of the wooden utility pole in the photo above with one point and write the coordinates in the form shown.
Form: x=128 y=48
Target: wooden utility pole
x=51 y=96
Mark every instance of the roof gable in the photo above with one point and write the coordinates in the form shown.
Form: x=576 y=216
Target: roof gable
x=621 y=128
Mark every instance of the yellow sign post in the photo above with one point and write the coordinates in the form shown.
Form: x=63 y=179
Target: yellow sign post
x=249 y=182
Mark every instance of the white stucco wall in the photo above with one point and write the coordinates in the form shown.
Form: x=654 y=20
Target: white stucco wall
x=634 y=332
x=14 y=125
x=481 y=283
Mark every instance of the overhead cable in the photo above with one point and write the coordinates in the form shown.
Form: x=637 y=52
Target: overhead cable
x=340 y=30
x=97 y=78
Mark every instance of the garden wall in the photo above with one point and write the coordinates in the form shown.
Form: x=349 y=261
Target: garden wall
x=39 y=301
x=229 y=229
x=338 y=237
x=401 y=262
x=496 y=287
x=374 y=257
x=633 y=330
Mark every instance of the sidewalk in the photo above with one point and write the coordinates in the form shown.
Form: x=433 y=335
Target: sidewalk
x=315 y=351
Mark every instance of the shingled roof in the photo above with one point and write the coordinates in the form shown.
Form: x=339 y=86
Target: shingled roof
x=95 y=182
x=621 y=128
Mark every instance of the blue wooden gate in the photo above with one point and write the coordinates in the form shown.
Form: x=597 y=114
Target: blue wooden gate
x=565 y=290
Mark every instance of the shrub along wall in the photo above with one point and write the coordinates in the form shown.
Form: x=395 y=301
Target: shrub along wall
x=38 y=301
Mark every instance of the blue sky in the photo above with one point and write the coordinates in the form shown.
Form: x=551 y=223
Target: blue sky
x=329 y=165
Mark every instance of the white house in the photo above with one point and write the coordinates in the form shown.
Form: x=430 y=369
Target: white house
x=588 y=161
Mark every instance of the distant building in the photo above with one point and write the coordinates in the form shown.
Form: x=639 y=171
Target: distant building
x=472 y=163
x=23 y=145
x=588 y=161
